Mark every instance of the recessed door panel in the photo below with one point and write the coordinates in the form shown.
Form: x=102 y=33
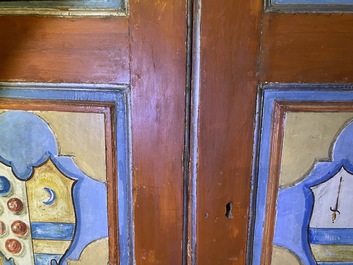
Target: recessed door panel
x=304 y=173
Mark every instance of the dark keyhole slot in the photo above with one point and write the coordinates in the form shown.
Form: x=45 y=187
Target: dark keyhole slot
x=229 y=207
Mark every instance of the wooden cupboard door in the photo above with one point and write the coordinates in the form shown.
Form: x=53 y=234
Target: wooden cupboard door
x=142 y=52
x=238 y=49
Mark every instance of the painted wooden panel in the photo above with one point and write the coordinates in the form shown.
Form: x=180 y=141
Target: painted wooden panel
x=304 y=175
x=64 y=174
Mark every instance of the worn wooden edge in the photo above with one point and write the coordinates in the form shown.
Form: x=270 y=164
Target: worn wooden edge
x=195 y=42
x=53 y=105
x=273 y=179
x=255 y=174
x=306 y=48
x=112 y=185
x=315 y=106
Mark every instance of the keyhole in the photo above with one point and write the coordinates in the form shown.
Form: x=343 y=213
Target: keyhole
x=229 y=207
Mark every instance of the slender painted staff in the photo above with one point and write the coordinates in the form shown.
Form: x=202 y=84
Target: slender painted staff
x=335 y=210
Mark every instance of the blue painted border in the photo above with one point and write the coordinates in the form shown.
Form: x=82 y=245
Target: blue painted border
x=269 y=93
x=104 y=93
x=74 y=4
x=309 y=6
x=66 y=8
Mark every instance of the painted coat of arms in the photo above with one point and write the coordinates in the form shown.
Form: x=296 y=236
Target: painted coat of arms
x=304 y=175
x=314 y=218
x=47 y=204
x=331 y=226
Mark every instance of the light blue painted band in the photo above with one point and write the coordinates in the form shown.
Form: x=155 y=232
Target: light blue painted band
x=53 y=231
x=46 y=259
x=335 y=263
x=331 y=236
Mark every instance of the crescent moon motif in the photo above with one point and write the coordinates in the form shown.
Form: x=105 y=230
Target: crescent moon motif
x=52 y=197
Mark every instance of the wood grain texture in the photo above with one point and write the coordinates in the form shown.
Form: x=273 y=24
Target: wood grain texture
x=228 y=85
x=52 y=49
x=158 y=34
x=272 y=190
x=307 y=48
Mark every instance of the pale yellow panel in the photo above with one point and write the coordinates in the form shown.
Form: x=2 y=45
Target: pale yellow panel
x=81 y=135
x=283 y=256
x=308 y=138
x=332 y=253
x=61 y=210
x=95 y=253
x=50 y=246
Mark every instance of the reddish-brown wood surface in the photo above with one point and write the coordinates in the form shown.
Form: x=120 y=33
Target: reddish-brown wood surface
x=274 y=170
x=229 y=46
x=158 y=34
x=52 y=49
x=307 y=48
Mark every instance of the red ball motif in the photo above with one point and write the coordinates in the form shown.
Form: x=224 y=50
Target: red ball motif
x=13 y=246
x=15 y=205
x=19 y=228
